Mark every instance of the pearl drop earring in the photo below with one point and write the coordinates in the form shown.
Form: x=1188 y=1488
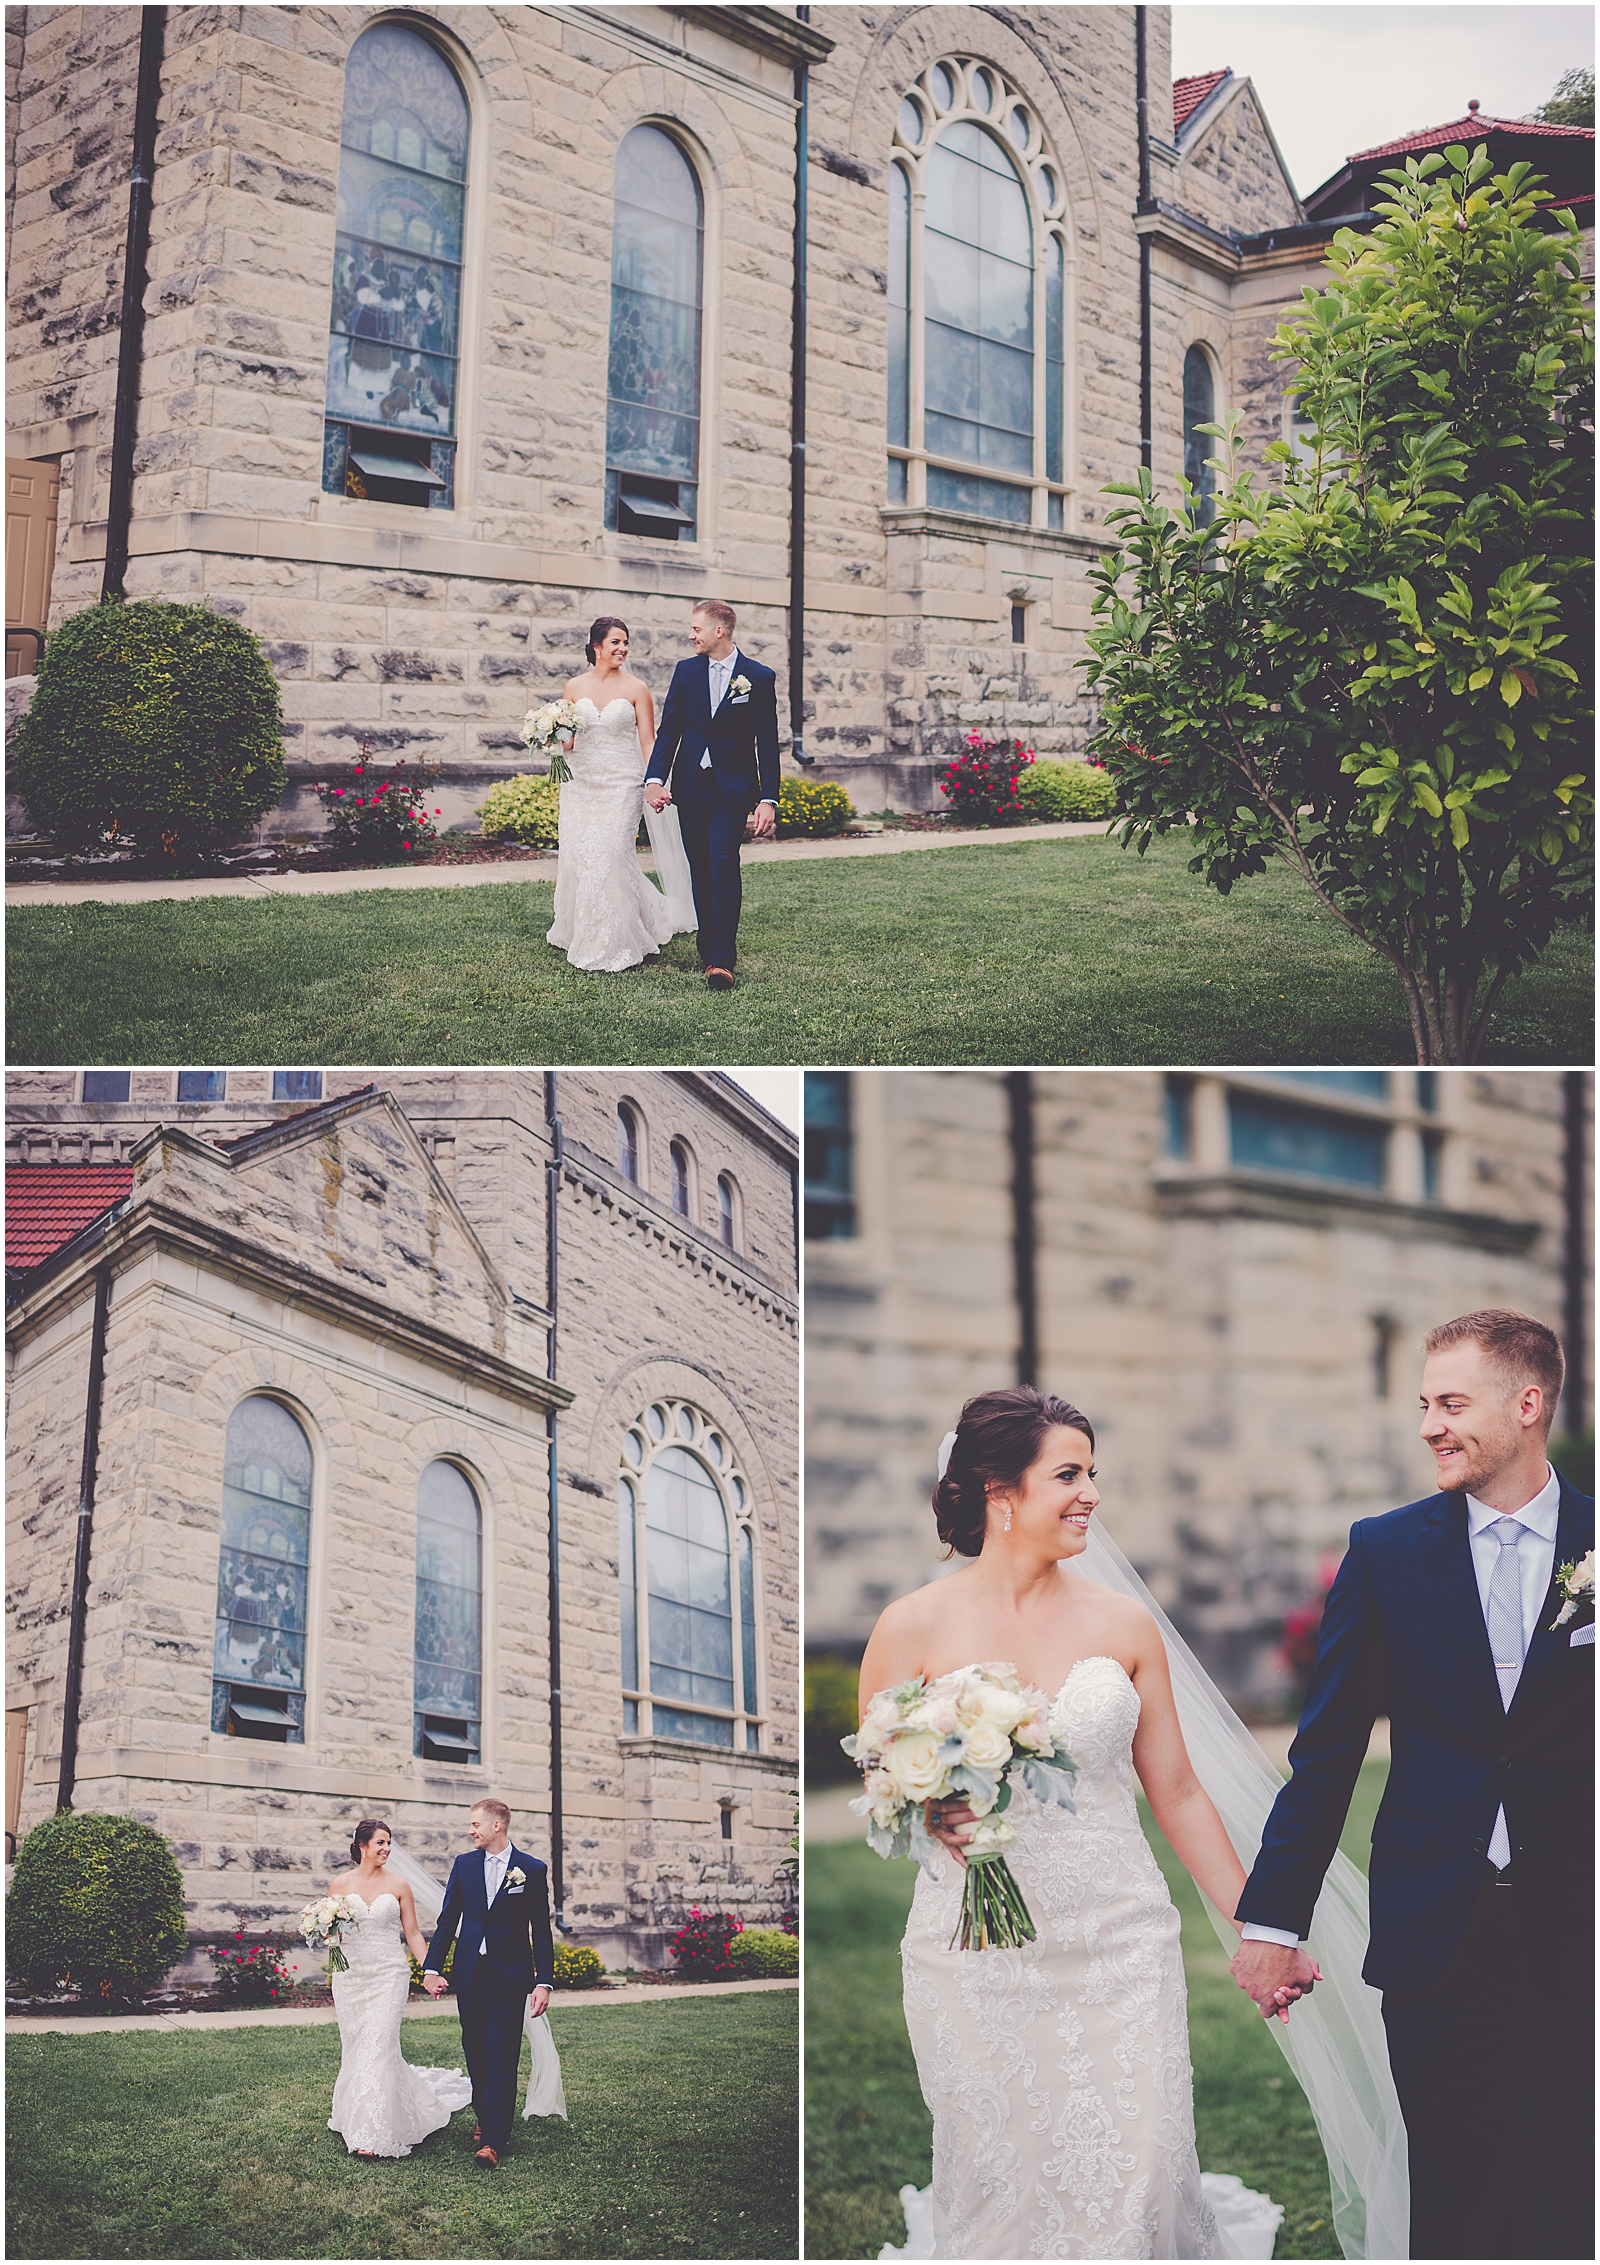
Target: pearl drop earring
x=1008 y=1518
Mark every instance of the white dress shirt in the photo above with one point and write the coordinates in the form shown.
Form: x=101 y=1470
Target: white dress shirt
x=721 y=676
x=1536 y=1557
x=495 y=1863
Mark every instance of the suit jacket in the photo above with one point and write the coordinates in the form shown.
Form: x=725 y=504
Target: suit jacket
x=741 y=738
x=1403 y=1633
x=514 y=1930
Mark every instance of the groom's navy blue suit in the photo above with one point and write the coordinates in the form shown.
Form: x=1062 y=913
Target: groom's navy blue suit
x=713 y=804
x=492 y=1984
x=1487 y=1981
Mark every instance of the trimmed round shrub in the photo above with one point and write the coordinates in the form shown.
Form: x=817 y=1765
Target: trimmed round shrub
x=96 y=1906
x=524 y=809
x=765 y=1951
x=1066 y=791
x=151 y=723
x=701 y=1945
x=813 y=806
x=578 y=1968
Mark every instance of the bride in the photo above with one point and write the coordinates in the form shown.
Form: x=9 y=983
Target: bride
x=607 y=915
x=382 y=2104
x=1058 y=2074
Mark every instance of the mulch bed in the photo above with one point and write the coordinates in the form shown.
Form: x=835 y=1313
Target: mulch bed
x=287 y=858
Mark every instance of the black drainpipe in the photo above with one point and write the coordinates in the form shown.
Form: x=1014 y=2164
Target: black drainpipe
x=130 y=349
x=797 y=422
x=77 y=1626
x=552 y=1199
x=1578 y=1413
x=1024 y=1220
x=1142 y=98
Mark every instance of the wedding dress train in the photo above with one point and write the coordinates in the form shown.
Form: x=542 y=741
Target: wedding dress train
x=1058 y=2074
x=608 y=916
x=382 y=2103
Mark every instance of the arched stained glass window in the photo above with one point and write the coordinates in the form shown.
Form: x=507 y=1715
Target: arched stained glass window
x=900 y=312
x=686 y=1565
x=1199 y=408
x=259 y=1655
x=394 y=346
x=653 y=385
x=448 y=1678
x=627 y=1143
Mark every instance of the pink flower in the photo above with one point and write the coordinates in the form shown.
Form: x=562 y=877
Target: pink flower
x=338 y=790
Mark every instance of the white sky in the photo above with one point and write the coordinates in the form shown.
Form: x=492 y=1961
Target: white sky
x=776 y=1090
x=1334 y=80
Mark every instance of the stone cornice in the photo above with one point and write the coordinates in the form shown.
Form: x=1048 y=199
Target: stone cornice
x=767 y=29
x=926 y=519
x=1326 y=1203
x=589 y=1174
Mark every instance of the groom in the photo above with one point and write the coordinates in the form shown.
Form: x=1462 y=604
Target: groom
x=1448 y=1616
x=718 y=741
x=497 y=1913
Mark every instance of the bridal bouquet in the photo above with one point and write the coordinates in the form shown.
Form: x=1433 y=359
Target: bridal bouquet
x=323 y=1922
x=553 y=729
x=971 y=1734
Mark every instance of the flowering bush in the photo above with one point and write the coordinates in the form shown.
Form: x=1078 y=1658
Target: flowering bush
x=981 y=786
x=415 y=1965
x=390 y=818
x=253 y=1976
x=578 y=1968
x=702 y=1947
x=524 y=809
x=812 y=806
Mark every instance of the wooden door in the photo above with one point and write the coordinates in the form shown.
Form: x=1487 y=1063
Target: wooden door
x=32 y=491
x=16 y=1760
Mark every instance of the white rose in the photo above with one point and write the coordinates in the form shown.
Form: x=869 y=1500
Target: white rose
x=988 y=1747
x=989 y=1834
x=1035 y=1733
x=913 y=1765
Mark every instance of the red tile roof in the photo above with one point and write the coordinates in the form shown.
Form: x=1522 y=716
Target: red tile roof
x=1188 y=94
x=1463 y=130
x=47 y=1204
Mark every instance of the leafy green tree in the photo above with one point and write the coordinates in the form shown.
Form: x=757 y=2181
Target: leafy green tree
x=1572 y=104
x=95 y=1905
x=1379 y=669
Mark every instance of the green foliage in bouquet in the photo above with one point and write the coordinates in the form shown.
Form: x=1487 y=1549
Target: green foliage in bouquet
x=764 y=1951
x=701 y=1945
x=577 y=1967
x=386 y=817
x=523 y=809
x=95 y=1905
x=150 y=723
x=815 y=807
x=251 y=1974
x=1066 y=792
x=1379 y=670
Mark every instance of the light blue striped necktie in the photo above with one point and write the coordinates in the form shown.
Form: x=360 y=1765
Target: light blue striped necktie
x=1505 y=1598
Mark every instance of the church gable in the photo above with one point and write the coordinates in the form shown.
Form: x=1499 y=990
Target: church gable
x=1231 y=173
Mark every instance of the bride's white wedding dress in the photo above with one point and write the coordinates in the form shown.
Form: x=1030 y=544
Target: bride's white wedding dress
x=608 y=916
x=382 y=2103
x=1058 y=2074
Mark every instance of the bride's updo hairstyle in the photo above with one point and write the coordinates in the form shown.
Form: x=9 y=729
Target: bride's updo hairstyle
x=363 y=1833
x=600 y=630
x=998 y=1438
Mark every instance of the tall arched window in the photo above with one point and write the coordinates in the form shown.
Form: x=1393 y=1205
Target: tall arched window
x=686 y=1562
x=727 y=1218
x=394 y=344
x=628 y=1143
x=979 y=273
x=1199 y=408
x=259 y=1657
x=448 y=1673
x=680 y=1179
x=653 y=387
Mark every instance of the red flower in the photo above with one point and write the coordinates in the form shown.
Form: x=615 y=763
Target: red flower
x=338 y=790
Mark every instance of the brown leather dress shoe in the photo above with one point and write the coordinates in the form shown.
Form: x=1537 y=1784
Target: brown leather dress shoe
x=719 y=979
x=487 y=2159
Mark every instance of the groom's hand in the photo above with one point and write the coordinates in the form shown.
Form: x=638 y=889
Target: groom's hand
x=766 y=822
x=539 y=1999
x=434 y=1984
x=1273 y=1976
x=655 y=793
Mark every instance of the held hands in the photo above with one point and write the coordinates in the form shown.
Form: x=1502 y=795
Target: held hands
x=434 y=1984
x=539 y=1999
x=1273 y=1976
x=655 y=793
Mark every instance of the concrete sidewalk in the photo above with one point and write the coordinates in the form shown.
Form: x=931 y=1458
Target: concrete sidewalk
x=260 y=885
x=295 y=2017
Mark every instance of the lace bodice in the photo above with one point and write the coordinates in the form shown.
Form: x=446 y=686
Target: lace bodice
x=1058 y=2074
x=377 y=1942
x=606 y=751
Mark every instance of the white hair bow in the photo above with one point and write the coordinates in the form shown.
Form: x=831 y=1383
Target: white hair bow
x=946 y=1450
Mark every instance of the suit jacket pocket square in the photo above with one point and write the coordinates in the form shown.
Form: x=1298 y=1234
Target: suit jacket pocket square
x=1581 y=1636
x=738 y=700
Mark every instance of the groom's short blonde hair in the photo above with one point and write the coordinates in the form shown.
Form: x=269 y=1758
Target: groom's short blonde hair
x=719 y=611
x=1522 y=1350
x=496 y=1809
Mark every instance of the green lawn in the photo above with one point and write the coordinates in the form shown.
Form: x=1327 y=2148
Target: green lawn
x=1052 y=952
x=682 y=2143
x=868 y=2134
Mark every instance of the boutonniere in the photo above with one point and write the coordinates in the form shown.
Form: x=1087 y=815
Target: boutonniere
x=1575 y=1584
x=516 y=1877
x=740 y=684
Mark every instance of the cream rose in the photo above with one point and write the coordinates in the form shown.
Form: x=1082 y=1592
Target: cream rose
x=912 y=1762
x=988 y=1747
x=989 y=1834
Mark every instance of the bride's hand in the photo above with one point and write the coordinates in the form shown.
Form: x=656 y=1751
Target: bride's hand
x=950 y=1823
x=656 y=795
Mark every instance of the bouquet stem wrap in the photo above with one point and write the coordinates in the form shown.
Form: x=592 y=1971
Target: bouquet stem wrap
x=994 y=1915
